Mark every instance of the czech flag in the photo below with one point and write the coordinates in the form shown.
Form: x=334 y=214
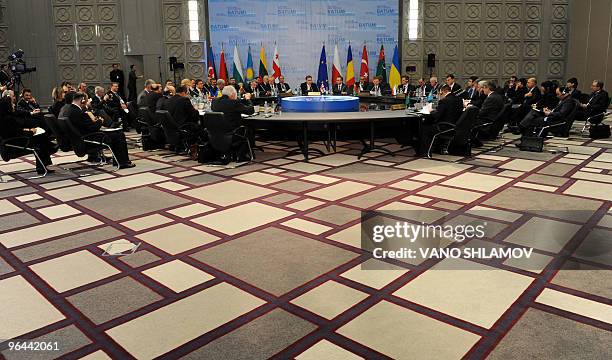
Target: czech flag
x=263 y=67
x=350 y=71
x=238 y=67
x=322 y=81
x=276 y=64
x=394 y=75
x=212 y=72
x=364 y=64
x=222 y=66
x=250 y=74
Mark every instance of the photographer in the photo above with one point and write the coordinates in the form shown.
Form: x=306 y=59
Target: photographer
x=5 y=78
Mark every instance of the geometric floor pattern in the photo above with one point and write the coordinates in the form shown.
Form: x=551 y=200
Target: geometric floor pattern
x=174 y=259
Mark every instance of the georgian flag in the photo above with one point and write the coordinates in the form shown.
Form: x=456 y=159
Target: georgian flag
x=276 y=64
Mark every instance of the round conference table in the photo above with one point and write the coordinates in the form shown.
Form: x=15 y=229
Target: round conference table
x=307 y=120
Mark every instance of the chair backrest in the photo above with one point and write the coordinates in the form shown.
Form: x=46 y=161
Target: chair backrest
x=219 y=132
x=7 y=153
x=62 y=138
x=74 y=135
x=502 y=119
x=170 y=127
x=466 y=122
x=569 y=121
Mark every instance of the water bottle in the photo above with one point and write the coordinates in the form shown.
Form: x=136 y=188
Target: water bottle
x=266 y=108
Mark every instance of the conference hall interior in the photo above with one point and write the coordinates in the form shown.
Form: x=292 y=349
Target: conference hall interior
x=293 y=179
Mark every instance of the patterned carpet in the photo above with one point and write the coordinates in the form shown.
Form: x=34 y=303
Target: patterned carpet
x=180 y=260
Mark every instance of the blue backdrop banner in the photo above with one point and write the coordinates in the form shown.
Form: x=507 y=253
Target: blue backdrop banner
x=299 y=28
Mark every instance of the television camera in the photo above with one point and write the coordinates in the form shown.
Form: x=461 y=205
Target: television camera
x=18 y=67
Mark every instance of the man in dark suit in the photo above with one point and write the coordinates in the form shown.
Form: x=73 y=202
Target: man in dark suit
x=449 y=107
x=308 y=86
x=27 y=102
x=132 y=78
x=421 y=88
x=363 y=85
x=405 y=88
x=181 y=109
x=433 y=86
x=232 y=110
x=88 y=123
x=533 y=94
x=116 y=106
x=253 y=89
x=339 y=88
x=492 y=105
x=572 y=89
x=117 y=76
x=16 y=123
x=598 y=101
x=282 y=86
x=454 y=87
x=449 y=110
x=510 y=87
x=140 y=100
x=547 y=116
x=471 y=90
x=379 y=88
x=153 y=97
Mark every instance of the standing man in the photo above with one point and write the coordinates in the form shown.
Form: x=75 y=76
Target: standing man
x=117 y=76
x=132 y=83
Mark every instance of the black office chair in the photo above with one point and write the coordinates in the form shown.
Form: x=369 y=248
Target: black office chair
x=14 y=148
x=152 y=134
x=133 y=116
x=493 y=129
x=225 y=139
x=83 y=145
x=561 y=128
x=181 y=137
x=63 y=141
x=459 y=135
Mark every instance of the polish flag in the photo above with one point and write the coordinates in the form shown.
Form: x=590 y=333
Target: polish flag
x=336 y=70
x=364 y=64
x=276 y=64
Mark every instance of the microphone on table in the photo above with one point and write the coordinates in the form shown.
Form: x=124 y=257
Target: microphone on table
x=460 y=92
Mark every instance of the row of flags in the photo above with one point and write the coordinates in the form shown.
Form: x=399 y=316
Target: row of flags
x=394 y=79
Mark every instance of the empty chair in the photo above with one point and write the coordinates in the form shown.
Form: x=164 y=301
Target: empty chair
x=151 y=130
x=63 y=141
x=180 y=137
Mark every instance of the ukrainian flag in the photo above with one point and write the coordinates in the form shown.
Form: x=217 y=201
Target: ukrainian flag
x=395 y=78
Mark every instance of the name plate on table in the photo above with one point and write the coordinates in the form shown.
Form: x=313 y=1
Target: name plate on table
x=398 y=107
x=314 y=93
